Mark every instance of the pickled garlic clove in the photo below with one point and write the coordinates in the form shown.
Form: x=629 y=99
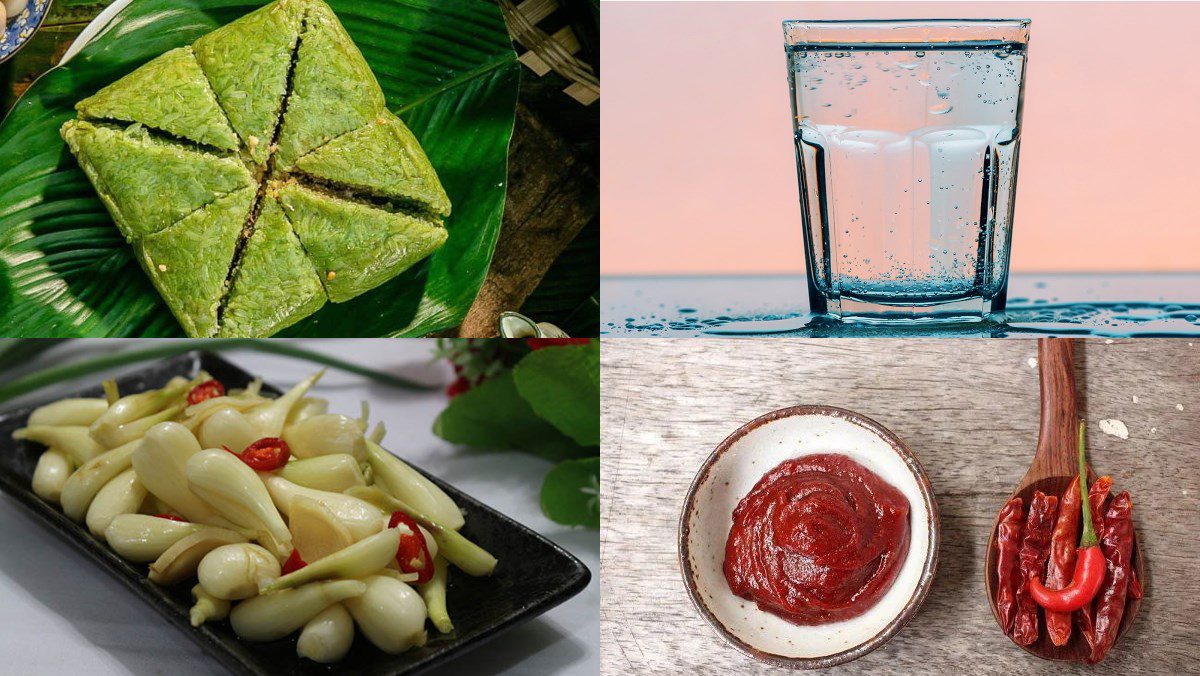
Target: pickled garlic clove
x=131 y=416
x=272 y=616
x=359 y=559
x=81 y=488
x=434 y=595
x=181 y=559
x=50 y=475
x=328 y=636
x=234 y=572
x=72 y=412
x=390 y=614
x=412 y=488
x=161 y=462
x=227 y=484
x=326 y=434
x=307 y=408
x=333 y=473
x=207 y=608
x=74 y=440
x=142 y=538
x=316 y=532
x=123 y=495
x=269 y=418
x=227 y=428
x=359 y=517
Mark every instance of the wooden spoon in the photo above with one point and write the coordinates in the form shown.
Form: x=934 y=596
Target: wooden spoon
x=1054 y=465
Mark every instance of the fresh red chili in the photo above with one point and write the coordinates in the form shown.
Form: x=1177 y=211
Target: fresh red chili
x=1089 y=562
x=293 y=563
x=1008 y=543
x=1117 y=543
x=1062 y=558
x=209 y=389
x=413 y=553
x=1097 y=500
x=266 y=454
x=171 y=517
x=1035 y=548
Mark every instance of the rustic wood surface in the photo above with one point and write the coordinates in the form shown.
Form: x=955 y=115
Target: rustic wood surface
x=969 y=409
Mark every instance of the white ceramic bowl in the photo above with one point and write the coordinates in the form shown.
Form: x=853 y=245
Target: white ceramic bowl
x=729 y=474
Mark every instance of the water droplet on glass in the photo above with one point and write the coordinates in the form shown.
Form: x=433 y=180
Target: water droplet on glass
x=940 y=109
x=920 y=55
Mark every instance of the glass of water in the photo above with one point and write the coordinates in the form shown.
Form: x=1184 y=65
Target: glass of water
x=906 y=136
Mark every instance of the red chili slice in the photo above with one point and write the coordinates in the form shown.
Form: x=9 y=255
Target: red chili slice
x=413 y=552
x=266 y=454
x=171 y=517
x=209 y=389
x=293 y=563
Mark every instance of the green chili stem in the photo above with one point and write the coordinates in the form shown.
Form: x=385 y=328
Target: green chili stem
x=50 y=376
x=1088 y=539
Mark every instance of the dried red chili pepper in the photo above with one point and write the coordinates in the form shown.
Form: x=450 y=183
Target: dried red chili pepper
x=1089 y=561
x=1097 y=500
x=413 y=553
x=209 y=389
x=1062 y=558
x=1135 y=585
x=1035 y=548
x=171 y=517
x=1008 y=543
x=293 y=563
x=1117 y=543
x=266 y=454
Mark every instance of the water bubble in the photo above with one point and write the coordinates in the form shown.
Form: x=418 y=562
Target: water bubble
x=942 y=93
x=940 y=109
x=920 y=55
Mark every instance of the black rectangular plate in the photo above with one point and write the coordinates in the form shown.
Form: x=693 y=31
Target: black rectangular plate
x=533 y=576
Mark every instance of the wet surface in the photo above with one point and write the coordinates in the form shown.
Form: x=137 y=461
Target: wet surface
x=1102 y=305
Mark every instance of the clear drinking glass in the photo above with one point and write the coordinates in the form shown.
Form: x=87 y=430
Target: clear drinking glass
x=907 y=135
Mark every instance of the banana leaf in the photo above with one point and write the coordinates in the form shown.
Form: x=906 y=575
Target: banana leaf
x=447 y=69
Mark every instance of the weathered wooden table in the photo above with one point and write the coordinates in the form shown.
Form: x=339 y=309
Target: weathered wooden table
x=969 y=409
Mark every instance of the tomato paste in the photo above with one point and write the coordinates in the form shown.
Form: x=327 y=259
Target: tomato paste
x=818 y=539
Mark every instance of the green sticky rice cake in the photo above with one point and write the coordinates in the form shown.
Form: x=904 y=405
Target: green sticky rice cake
x=247 y=62
x=277 y=284
x=146 y=183
x=197 y=153
x=333 y=88
x=382 y=158
x=188 y=262
x=356 y=247
x=170 y=94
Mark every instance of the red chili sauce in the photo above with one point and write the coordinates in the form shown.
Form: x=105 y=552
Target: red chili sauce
x=818 y=539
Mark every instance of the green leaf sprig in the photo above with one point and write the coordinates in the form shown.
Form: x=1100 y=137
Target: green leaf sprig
x=548 y=404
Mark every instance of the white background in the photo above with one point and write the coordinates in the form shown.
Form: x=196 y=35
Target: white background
x=60 y=614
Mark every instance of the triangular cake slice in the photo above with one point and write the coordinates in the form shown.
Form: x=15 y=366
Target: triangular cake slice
x=247 y=62
x=169 y=93
x=189 y=261
x=148 y=184
x=383 y=158
x=357 y=247
x=276 y=285
x=333 y=88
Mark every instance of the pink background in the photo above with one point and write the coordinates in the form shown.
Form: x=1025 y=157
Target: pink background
x=698 y=171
